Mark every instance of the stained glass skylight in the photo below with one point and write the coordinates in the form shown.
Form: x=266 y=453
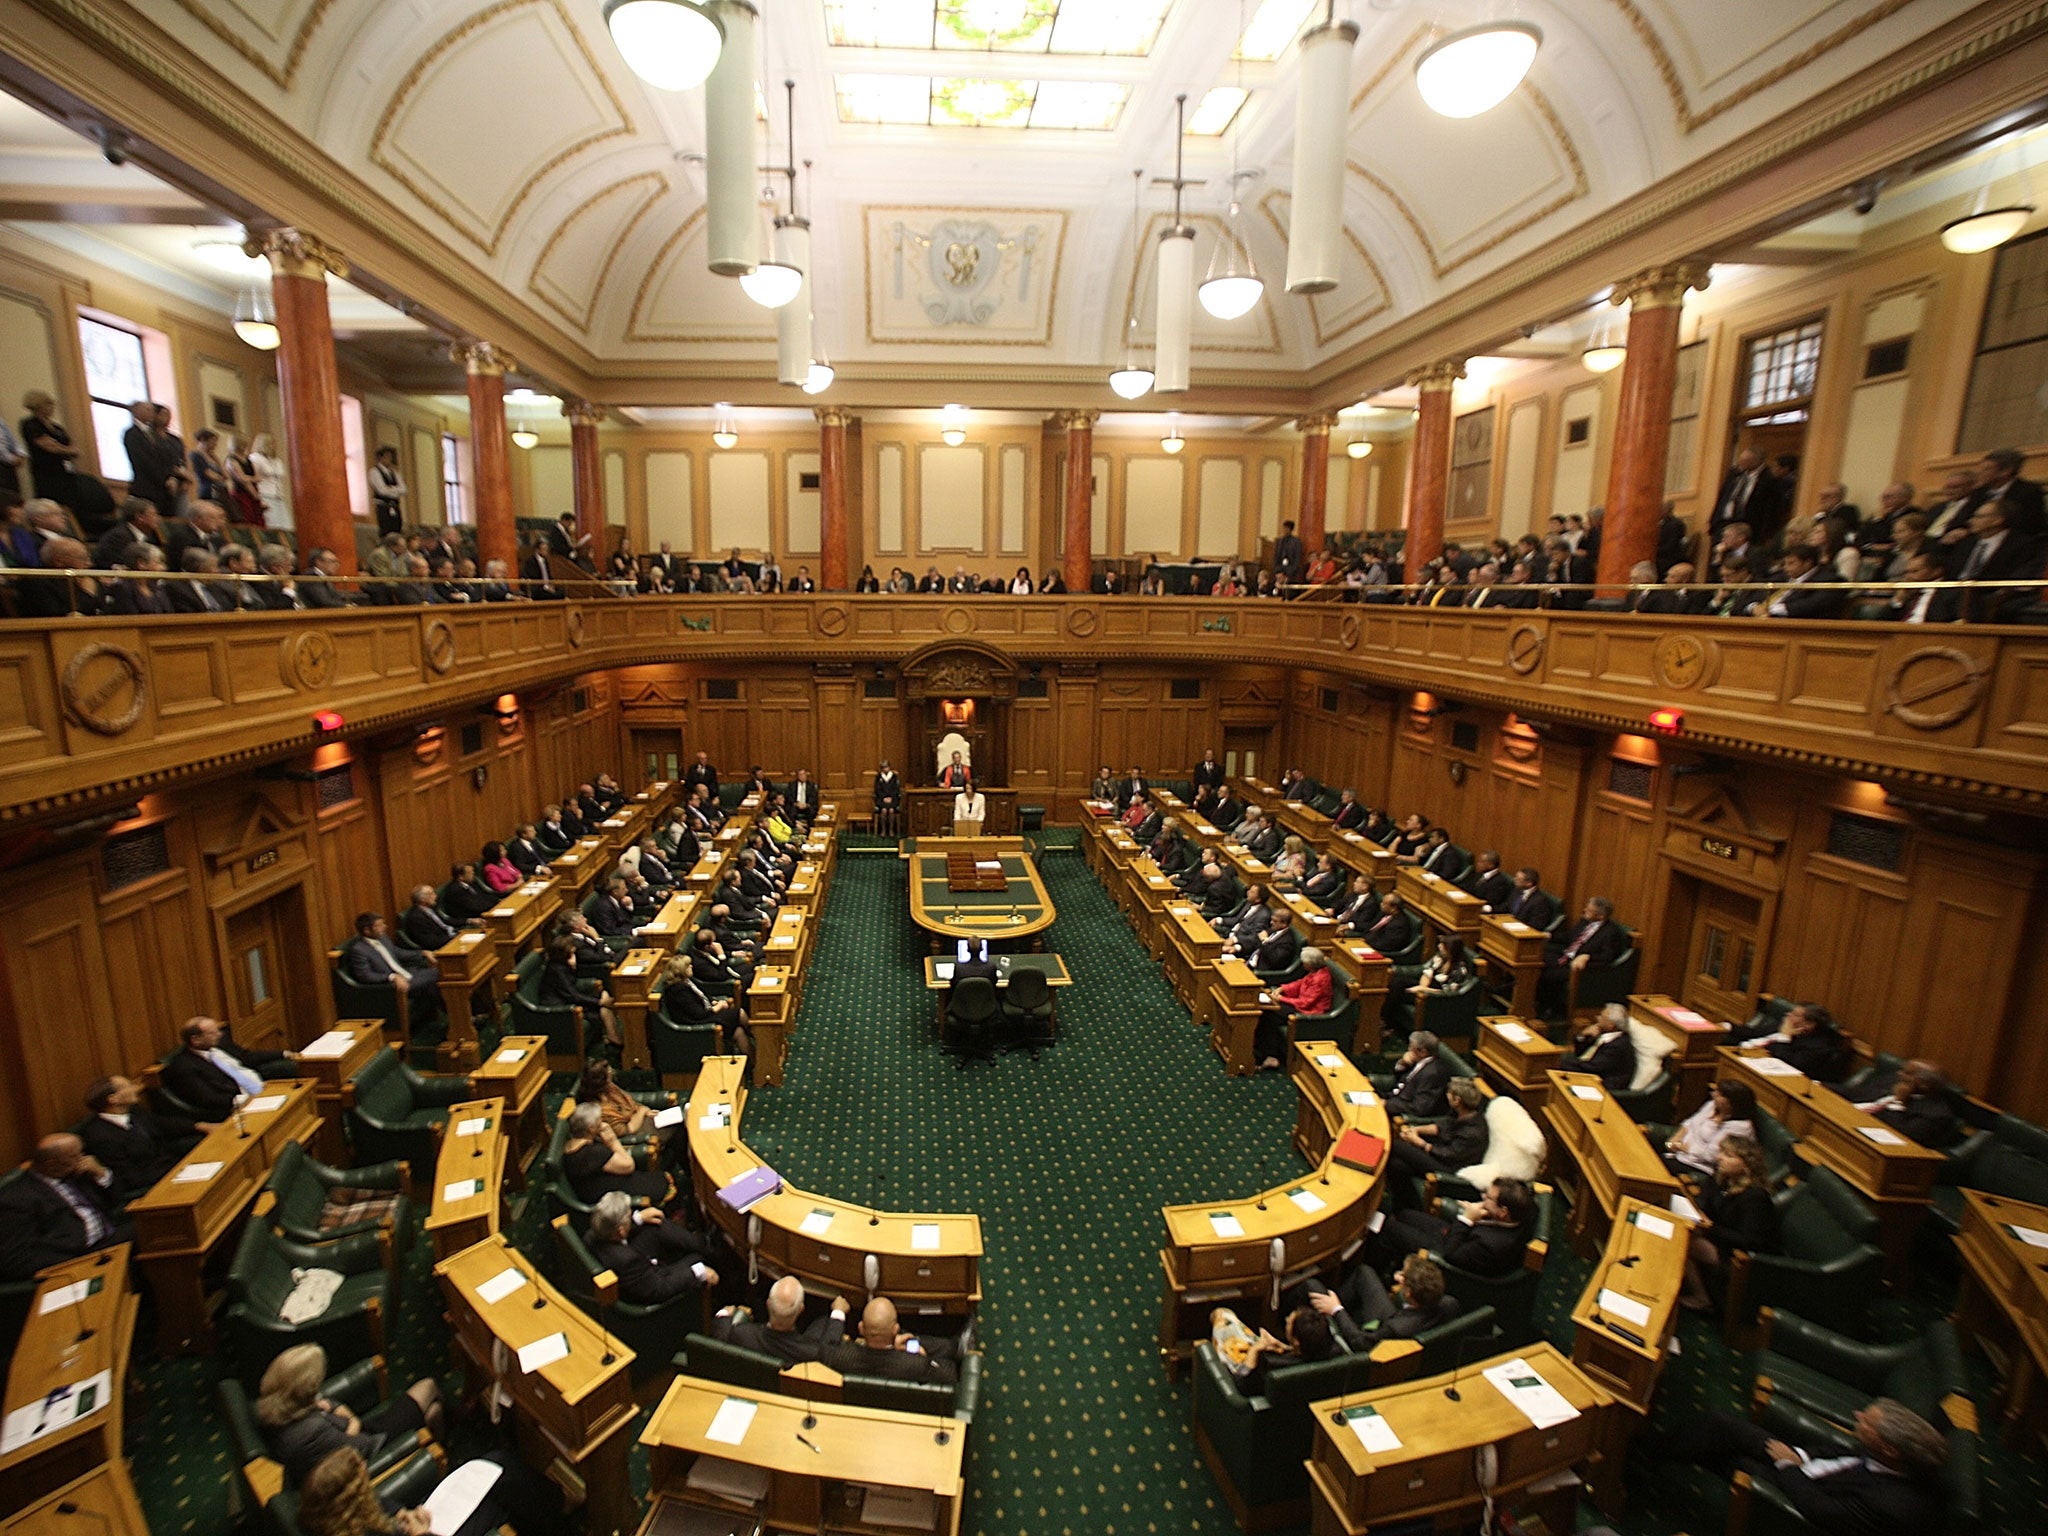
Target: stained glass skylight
x=1097 y=27
x=955 y=102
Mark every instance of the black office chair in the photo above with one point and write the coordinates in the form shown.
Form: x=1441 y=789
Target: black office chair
x=1027 y=1010
x=971 y=1013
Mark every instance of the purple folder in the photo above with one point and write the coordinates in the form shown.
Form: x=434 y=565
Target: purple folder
x=751 y=1186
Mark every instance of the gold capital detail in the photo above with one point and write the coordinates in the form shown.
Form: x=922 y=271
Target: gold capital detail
x=1317 y=425
x=1437 y=376
x=1662 y=287
x=481 y=357
x=584 y=413
x=833 y=416
x=1082 y=421
x=294 y=253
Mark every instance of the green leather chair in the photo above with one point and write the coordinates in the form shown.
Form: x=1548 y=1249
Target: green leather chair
x=302 y=1189
x=972 y=1009
x=716 y=1359
x=2010 y=1160
x=649 y=1331
x=366 y=1000
x=1830 y=1268
x=262 y=1479
x=260 y=1278
x=16 y=1296
x=1650 y=1103
x=1339 y=1024
x=526 y=1014
x=398 y=1113
x=678 y=1049
x=1450 y=1014
x=1327 y=800
x=1256 y=1447
x=1512 y=1297
x=1598 y=985
x=1027 y=1010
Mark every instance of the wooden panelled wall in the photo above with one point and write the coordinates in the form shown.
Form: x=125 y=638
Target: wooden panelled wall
x=96 y=980
x=1924 y=958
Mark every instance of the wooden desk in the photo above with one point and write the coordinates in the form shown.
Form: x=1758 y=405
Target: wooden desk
x=1643 y=1266
x=1895 y=1175
x=520 y=918
x=929 y=1263
x=2004 y=1295
x=806 y=888
x=1433 y=1472
x=812 y=1486
x=1695 y=1039
x=180 y=1220
x=517 y=1072
x=928 y=811
x=465 y=962
x=1246 y=865
x=577 y=868
x=1516 y=949
x=469 y=1177
x=1143 y=892
x=676 y=921
x=770 y=1005
x=77 y=1460
x=1451 y=912
x=1312 y=826
x=1231 y=999
x=788 y=941
x=632 y=985
x=1191 y=946
x=1053 y=967
x=1362 y=856
x=1310 y=921
x=1218 y=1253
x=1369 y=973
x=1018 y=911
x=1517 y=1060
x=343 y=1052
x=1615 y=1161
x=704 y=875
x=578 y=1408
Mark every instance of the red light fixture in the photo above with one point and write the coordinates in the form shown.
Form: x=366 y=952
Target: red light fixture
x=327 y=720
x=1668 y=721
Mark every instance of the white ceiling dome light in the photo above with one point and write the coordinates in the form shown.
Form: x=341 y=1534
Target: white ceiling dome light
x=1475 y=70
x=671 y=44
x=1986 y=230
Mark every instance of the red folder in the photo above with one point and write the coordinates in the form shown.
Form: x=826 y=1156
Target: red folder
x=1355 y=1149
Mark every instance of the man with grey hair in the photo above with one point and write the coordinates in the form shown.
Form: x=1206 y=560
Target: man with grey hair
x=280 y=592
x=318 y=589
x=1886 y=1479
x=654 y=1259
x=782 y=1335
x=204 y=526
x=1443 y=1149
x=197 y=596
x=239 y=561
x=127 y=596
x=1416 y=1088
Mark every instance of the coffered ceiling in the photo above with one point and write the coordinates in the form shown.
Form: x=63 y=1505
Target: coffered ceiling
x=503 y=143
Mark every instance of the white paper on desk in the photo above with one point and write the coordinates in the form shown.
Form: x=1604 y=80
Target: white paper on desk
x=1225 y=1224
x=1538 y=1400
x=730 y=1424
x=71 y=1295
x=1680 y=1206
x=1770 y=1066
x=457 y=1495
x=943 y=969
x=500 y=1285
x=333 y=1044
x=770 y=982
x=2031 y=1236
x=1884 y=1136
x=1625 y=1308
x=510 y=1056
x=474 y=1127
x=1265 y=997
x=543 y=1352
x=195 y=1173
x=62 y=1406
x=1373 y=1431
x=1307 y=1199
x=1582 y=1091
x=1656 y=1226
x=264 y=1105
x=664 y=1118
x=461 y=1189
x=1509 y=1030
x=1361 y=1096
x=924 y=1235
x=1329 y=1061
x=817 y=1223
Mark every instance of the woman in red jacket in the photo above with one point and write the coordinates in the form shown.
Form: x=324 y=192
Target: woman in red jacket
x=1310 y=992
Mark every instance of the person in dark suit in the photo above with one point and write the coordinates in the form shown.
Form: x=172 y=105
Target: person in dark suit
x=655 y=1259
x=1441 y=857
x=1998 y=479
x=1132 y=787
x=1421 y=1080
x=212 y=1072
x=424 y=925
x=978 y=963
x=1530 y=903
x=1998 y=551
x=1244 y=929
x=152 y=460
x=1890 y=1480
x=1260 y=835
x=1487 y=1237
x=1208 y=772
x=374 y=956
x=1602 y=1047
x=1361 y=908
x=881 y=1348
x=466 y=897
x=1279 y=947
x=1597 y=940
x=1395 y=930
x=612 y=914
x=1289 y=558
x=1350 y=814
x=58 y=1210
x=1457 y=1143
x=1228 y=810
x=1225 y=892
x=525 y=850
x=783 y=1334
x=1816 y=590
x=1325 y=883
x=1750 y=494
x=1362 y=1311
x=135 y=1146
x=701 y=772
x=1918 y=1107
x=1806 y=1038
x=1487 y=880
x=1379 y=827
x=888 y=799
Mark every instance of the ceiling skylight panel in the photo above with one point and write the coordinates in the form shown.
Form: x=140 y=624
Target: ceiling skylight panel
x=1216 y=111
x=1089 y=105
x=1273 y=28
x=1079 y=27
x=982 y=103
x=901 y=99
x=1124 y=27
x=997 y=26
x=879 y=23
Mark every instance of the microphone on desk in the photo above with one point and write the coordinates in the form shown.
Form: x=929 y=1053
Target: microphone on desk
x=875 y=1206
x=1460 y=1358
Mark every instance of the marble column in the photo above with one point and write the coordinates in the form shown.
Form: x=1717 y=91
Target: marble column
x=1429 y=478
x=490 y=453
x=586 y=469
x=309 y=390
x=1315 y=479
x=832 y=499
x=1642 y=421
x=1078 y=564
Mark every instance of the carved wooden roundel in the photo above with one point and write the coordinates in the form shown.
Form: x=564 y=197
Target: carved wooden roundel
x=440 y=645
x=1348 y=631
x=1681 y=661
x=1081 y=623
x=1935 y=687
x=957 y=621
x=312 y=660
x=575 y=626
x=832 y=621
x=1525 y=648
x=104 y=689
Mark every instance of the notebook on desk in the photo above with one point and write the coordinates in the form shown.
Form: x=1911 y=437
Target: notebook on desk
x=673 y=1518
x=750 y=1187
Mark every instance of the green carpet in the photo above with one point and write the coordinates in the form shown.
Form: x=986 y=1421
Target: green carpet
x=1067 y=1161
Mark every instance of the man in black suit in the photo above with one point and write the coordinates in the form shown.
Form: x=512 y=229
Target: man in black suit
x=552 y=835
x=1488 y=1237
x=1597 y=940
x=1805 y=1038
x=1441 y=857
x=156 y=464
x=1998 y=479
x=1208 y=772
x=1225 y=892
x=701 y=772
x=1998 y=550
x=1421 y=1080
x=1133 y=787
x=525 y=850
x=571 y=817
x=1816 y=590
x=1924 y=605
x=1750 y=494
x=655 y=1259
x=1530 y=903
x=136 y=1147
x=58 y=1210
x=1487 y=880
x=1279 y=948
x=1602 y=1047
x=1350 y=813
x=781 y=1336
x=1325 y=883
x=1890 y=1481
x=212 y=1072
x=1362 y=1312
x=1395 y=930
x=374 y=956
x=1261 y=837
x=1289 y=559
x=1228 y=810
x=612 y=915
x=424 y=924
x=654 y=869
x=1361 y=908
x=467 y=896
x=1457 y=1143
x=881 y=1348
x=1248 y=927
x=803 y=798
x=1917 y=1106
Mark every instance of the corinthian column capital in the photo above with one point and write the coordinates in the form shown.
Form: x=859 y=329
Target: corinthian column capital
x=294 y=253
x=1437 y=377
x=481 y=357
x=1663 y=287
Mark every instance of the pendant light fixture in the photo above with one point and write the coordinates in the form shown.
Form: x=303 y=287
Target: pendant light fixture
x=1322 y=119
x=255 y=321
x=1358 y=448
x=1174 y=319
x=1131 y=381
x=1984 y=228
x=1603 y=352
x=525 y=437
x=1173 y=442
x=722 y=434
x=1233 y=285
x=821 y=373
x=793 y=320
x=1476 y=69
x=953 y=425
x=671 y=44
x=732 y=228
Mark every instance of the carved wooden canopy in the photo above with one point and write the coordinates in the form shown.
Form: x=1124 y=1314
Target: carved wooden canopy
x=959 y=669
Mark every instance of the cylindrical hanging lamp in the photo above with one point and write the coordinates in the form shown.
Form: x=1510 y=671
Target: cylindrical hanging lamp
x=1322 y=116
x=793 y=320
x=1173 y=317
x=732 y=234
